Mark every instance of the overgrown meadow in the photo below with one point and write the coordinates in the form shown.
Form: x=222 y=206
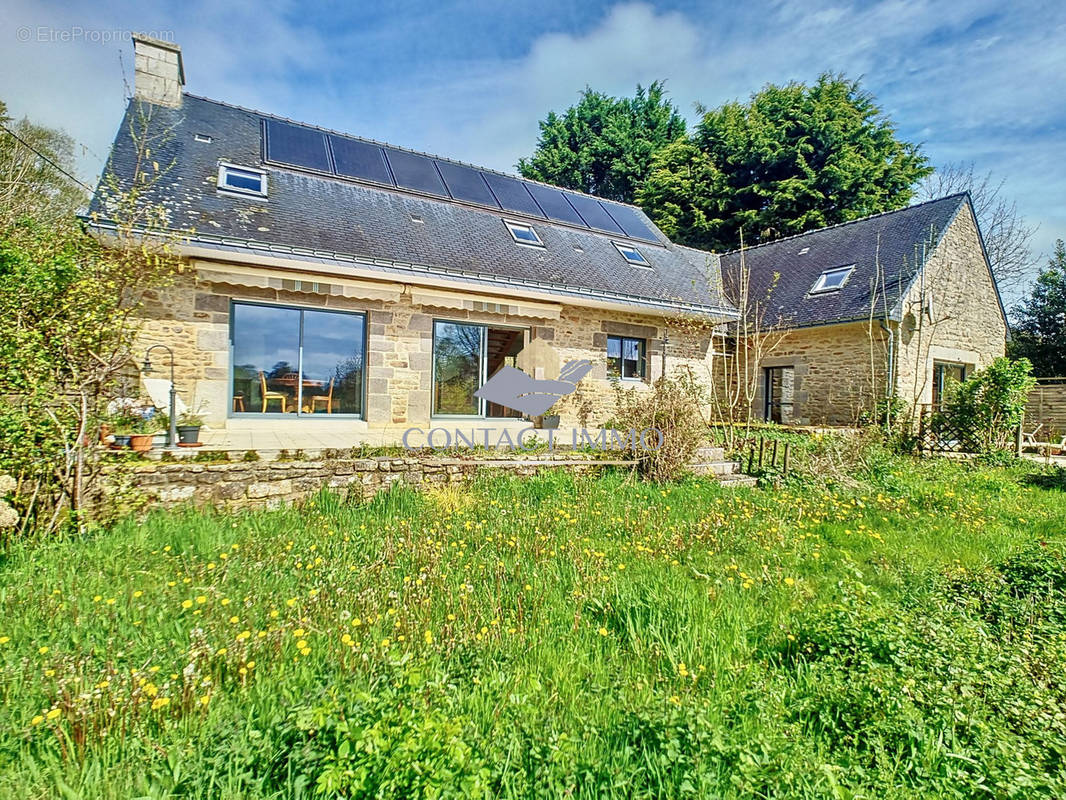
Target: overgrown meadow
x=558 y=636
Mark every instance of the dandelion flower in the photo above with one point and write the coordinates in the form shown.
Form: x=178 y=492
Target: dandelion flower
x=160 y=702
x=37 y=720
x=138 y=593
x=53 y=714
x=43 y=650
x=201 y=599
x=186 y=603
x=5 y=639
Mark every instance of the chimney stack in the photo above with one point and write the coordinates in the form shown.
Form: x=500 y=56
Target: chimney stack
x=158 y=71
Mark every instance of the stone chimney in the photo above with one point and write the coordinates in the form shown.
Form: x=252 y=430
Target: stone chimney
x=158 y=71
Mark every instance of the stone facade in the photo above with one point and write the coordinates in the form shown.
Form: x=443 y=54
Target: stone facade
x=249 y=485
x=951 y=314
x=193 y=318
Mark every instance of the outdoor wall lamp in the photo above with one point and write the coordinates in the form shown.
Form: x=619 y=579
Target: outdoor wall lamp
x=146 y=368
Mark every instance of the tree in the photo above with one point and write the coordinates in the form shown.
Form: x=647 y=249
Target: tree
x=1008 y=238
x=604 y=145
x=68 y=322
x=793 y=159
x=30 y=183
x=1040 y=334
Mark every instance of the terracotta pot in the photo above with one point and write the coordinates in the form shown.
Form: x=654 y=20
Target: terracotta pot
x=141 y=442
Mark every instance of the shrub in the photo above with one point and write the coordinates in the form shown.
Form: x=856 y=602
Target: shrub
x=990 y=404
x=673 y=408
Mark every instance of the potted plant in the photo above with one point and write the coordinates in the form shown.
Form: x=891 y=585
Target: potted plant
x=162 y=432
x=123 y=424
x=141 y=432
x=189 y=424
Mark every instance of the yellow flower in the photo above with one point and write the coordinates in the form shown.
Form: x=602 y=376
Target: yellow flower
x=356 y=622
x=37 y=720
x=603 y=631
x=225 y=601
x=186 y=603
x=210 y=564
x=5 y=639
x=205 y=699
x=201 y=599
x=160 y=702
x=53 y=714
x=301 y=644
x=42 y=650
x=299 y=633
x=428 y=637
x=234 y=619
x=385 y=642
x=789 y=581
x=97 y=599
x=306 y=651
x=138 y=593
x=251 y=665
x=111 y=601
x=273 y=613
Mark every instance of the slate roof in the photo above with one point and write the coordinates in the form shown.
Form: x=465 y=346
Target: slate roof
x=346 y=218
x=785 y=270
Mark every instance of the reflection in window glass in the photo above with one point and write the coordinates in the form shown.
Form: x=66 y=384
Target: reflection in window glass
x=457 y=367
x=332 y=363
x=272 y=343
x=625 y=357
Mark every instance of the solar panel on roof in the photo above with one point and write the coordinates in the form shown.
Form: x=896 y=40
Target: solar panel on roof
x=593 y=213
x=413 y=171
x=466 y=183
x=631 y=221
x=554 y=204
x=296 y=145
x=512 y=194
x=356 y=159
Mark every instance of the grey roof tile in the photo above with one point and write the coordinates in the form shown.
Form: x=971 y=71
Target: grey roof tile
x=347 y=217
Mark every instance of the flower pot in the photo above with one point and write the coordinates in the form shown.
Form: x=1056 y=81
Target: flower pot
x=188 y=434
x=549 y=421
x=161 y=440
x=141 y=442
x=122 y=440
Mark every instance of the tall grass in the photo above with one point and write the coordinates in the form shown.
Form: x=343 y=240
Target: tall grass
x=552 y=636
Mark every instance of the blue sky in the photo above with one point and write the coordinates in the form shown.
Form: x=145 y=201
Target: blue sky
x=973 y=80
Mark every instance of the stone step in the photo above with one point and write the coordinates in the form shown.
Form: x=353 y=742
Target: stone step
x=715 y=467
x=704 y=454
x=738 y=480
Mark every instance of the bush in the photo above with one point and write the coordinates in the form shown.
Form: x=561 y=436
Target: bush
x=673 y=408
x=990 y=404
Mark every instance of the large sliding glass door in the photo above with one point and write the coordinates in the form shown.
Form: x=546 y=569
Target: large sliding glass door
x=464 y=357
x=297 y=361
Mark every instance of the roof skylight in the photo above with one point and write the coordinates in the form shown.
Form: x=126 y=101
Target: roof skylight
x=523 y=234
x=832 y=279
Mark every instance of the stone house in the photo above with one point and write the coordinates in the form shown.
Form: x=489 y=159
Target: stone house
x=897 y=304
x=340 y=290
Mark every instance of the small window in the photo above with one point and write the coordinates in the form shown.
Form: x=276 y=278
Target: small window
x=832 y=279
x=632 y=255
x=626 y=358
x=523 y=234
x=242 y=180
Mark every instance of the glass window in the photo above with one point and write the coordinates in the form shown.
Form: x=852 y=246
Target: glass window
x=297 y=361
x=456 y=368
x=632 y=255
x=944 y=375
x=832 y=279
x=780 y=385
x=523 y=234
x=332 y=363
x=244 y=181
x=626 y=357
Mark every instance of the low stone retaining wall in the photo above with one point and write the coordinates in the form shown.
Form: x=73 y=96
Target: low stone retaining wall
x=1047 y=407
x=268 y=484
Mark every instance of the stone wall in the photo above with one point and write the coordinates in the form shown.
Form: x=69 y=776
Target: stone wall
x=193 y=318
x=838 y=371
x=250 y=485
x=1047 y=407
x=951 y=313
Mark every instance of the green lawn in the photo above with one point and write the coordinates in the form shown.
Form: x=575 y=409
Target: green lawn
x=553 y=636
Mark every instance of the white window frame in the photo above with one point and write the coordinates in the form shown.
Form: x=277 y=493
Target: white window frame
x=820 y=286
x=224 y=168
x=512 y=225
x=643 y=263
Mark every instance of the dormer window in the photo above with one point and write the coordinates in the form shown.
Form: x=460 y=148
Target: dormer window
x=832 y=279
x=523 y=234
x=632 y=255
x=242 y=180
